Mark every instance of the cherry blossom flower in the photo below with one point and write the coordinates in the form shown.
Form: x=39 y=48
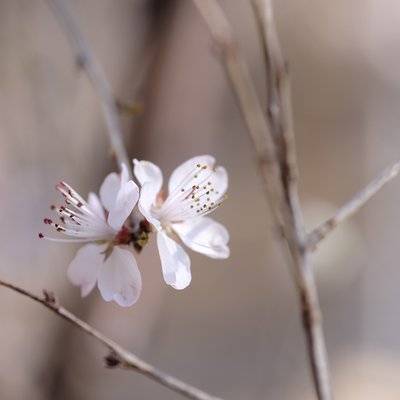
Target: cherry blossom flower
x=107 y=259
x=196 y=188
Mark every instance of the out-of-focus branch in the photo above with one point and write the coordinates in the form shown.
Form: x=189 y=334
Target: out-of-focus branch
x=118 y=357
x=279 y=114
x=351 y=207
x=250 y=107
x=88 y=62
x=273 y=141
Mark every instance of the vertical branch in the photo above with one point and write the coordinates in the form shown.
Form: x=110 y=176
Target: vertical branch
x=239 y=76
x=273 y=140
x=88 y=62
x=279 y=114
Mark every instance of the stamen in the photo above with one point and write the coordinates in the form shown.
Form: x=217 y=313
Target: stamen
x=178 y=196
x=73 y=198
x=78 y=222
x=194 y=196
x=186 y=179
x=83 y=240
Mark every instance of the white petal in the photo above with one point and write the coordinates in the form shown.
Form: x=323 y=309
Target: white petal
x=175 y=262
x=146 y=204
x=150 y=178
x=205 y=236
x=83 y=269
x=182 y=172
x=119 y=278
x=109 y=190
x=147 y=172
x=125 y=201
x=219 y=180
x=124 y=174
x=96 y=206
x=198 y=193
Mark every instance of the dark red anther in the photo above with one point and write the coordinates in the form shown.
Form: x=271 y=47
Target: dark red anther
x=40 y=235
x=52 y=207
x=47 y=221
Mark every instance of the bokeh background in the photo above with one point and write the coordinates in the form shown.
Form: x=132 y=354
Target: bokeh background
x=235 y=331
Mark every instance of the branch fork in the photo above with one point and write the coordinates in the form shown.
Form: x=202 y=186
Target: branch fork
x=273 y=139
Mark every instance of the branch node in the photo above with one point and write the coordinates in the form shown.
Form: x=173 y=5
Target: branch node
x=112 y=360
x=49 y=298
x=129 y=108
x=118 y=357
x=81 y=60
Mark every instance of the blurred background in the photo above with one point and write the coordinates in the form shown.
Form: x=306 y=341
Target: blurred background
x=235 y=332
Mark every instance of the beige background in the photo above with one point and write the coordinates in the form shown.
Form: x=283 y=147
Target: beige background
x=236 y=331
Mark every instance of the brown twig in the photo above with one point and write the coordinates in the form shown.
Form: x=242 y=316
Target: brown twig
x=279 y=115
x=88 y=62
x=351 y=207
x=118 y=357
x=239 y=76
x=273 y=141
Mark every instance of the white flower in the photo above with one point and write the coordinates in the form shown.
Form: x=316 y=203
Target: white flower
x=107 y=261
x=195 y=188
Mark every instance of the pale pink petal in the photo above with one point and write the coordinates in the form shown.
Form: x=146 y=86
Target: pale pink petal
x=109 y=190
x=147 y=172
x=83 y=269
x=119 y=278
x=125 y=201
x=95 y=205
x=188 y=168
x=124 y=174
x=219 y=181
x=150 y=178
x=146 y=204
x=175 y=262
x=205 y=236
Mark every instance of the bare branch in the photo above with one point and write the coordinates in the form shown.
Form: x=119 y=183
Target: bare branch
x=279 y=114
x=239 y=76
x=351 y=207
x=118 y=357
x=273 y=140
x=88 y=62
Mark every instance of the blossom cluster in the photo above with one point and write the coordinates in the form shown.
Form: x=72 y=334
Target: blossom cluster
x=105 y=223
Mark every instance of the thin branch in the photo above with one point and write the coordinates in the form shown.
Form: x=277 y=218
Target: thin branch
x=273 y=140
x=239 y=76
x=119 y=357
x=279 y=114
x=88 y=62
x=351 y=207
